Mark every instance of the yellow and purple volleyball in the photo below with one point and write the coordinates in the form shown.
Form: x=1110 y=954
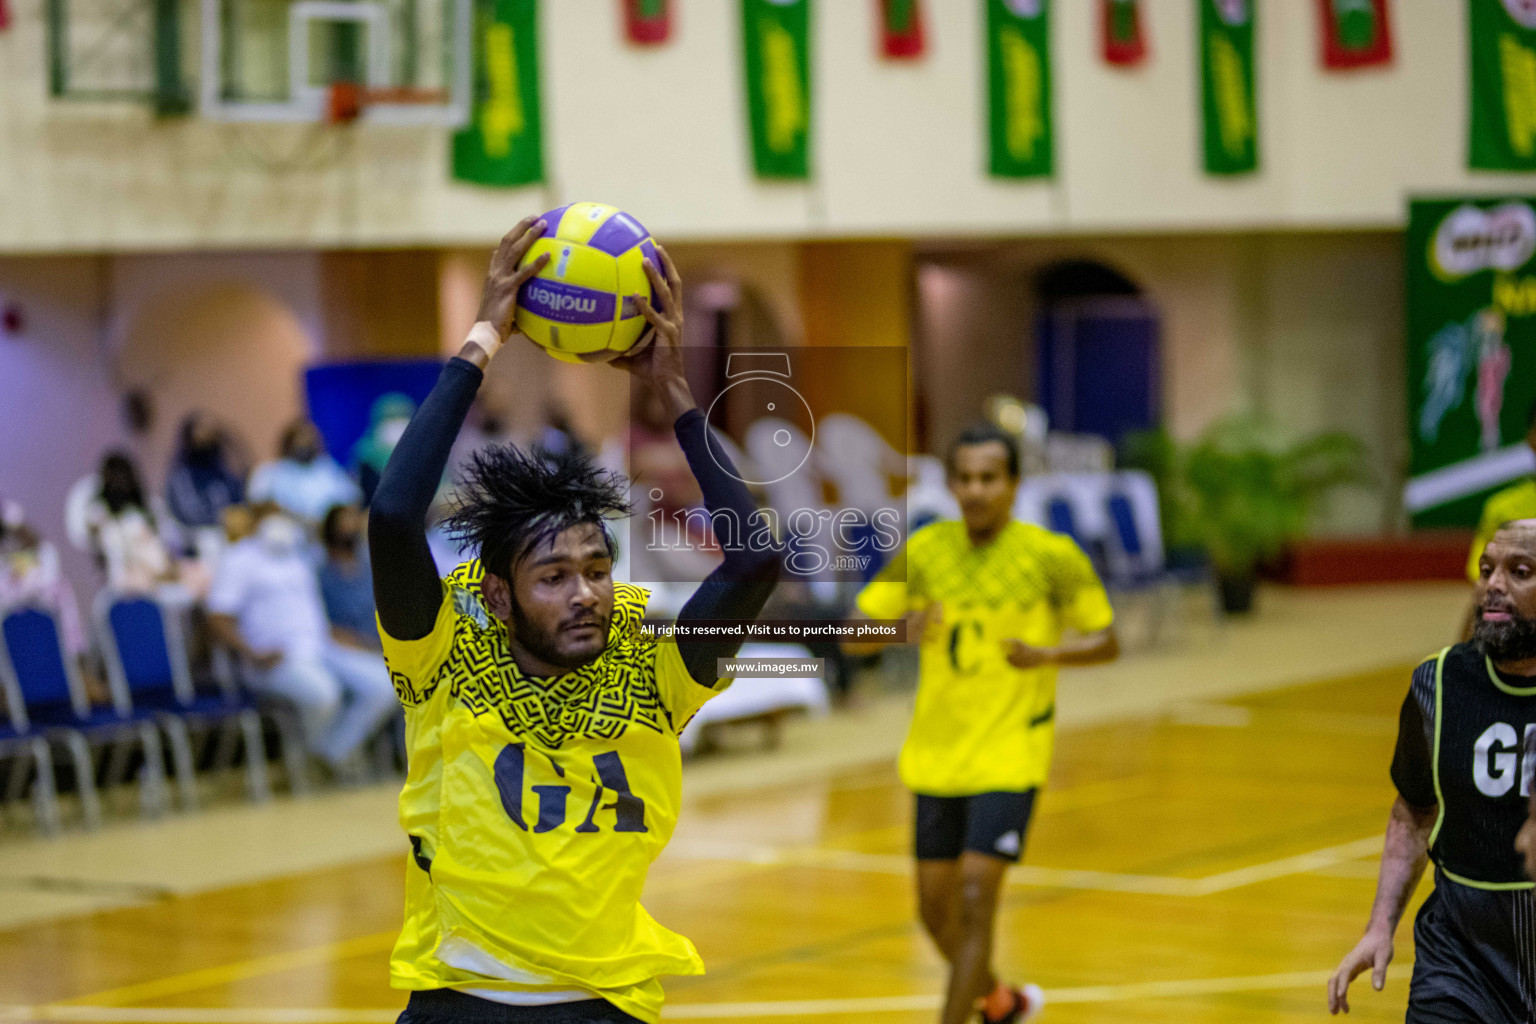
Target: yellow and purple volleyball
x=581 y=306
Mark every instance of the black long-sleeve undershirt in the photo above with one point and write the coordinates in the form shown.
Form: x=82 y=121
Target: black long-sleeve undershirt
x=409 y=593
x=406 y=589
x=739 y=586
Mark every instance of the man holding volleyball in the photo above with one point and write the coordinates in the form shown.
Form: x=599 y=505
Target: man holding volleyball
x=544 y=771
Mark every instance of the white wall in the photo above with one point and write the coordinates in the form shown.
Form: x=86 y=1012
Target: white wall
x=226 y=333
x=59 y=406
x=898 y=148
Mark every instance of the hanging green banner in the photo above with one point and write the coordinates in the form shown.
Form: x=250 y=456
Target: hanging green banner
x=776 y=38
x=1502 y=63
x=1227 y=82
x=504 y=143
x=1471 y=332
x=1019 y=88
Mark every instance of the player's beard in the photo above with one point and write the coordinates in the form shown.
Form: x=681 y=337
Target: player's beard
x=544 y=644
x=1514 y=640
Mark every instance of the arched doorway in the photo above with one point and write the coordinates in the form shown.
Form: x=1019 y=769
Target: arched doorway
x=227 y=348
x=1098 y=345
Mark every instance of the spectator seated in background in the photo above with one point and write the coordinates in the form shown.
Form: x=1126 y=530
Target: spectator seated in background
x=265 y=605
x=30 y=574
x=201 y=484
x=239 y=522
x=108 y=515
x=304 y=480
x=388 y=418
x=557 y=436
x=346 y=579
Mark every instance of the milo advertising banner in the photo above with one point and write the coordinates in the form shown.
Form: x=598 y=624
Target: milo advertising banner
x=1471 y=352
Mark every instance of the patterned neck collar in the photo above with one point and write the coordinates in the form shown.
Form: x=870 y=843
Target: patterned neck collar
x=544 y=706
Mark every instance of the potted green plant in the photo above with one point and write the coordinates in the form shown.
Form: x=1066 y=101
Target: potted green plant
x=1242 y=493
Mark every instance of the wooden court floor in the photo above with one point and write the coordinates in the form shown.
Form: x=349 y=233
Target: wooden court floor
x=1209 y=865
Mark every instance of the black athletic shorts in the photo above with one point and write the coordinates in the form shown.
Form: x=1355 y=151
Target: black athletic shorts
x=991 y=823
x=446 y=1006
x=1473 y=961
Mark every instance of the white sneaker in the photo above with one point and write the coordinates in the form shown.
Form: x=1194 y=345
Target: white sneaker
x=1034 y=1001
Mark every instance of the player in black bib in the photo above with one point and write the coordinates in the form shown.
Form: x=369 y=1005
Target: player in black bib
x=1463 y=795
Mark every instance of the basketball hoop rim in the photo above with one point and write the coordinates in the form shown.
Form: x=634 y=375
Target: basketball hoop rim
x=348 y=102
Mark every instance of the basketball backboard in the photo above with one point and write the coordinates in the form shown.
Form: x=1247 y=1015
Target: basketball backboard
x=404 y=62
x=110 y=50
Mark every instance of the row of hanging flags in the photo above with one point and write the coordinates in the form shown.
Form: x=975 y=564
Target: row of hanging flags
x=503 y=145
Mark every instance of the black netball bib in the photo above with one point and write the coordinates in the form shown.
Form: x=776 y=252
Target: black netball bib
x=1482 y=776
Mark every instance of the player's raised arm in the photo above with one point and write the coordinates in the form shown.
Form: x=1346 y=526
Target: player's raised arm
x=738 y=588
x=405 y=582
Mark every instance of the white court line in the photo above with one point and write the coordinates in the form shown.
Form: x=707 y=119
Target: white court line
x=1299 y=864
x=900 y=864
x=1175 y=988
x=1042 y=877
x=1047 y=878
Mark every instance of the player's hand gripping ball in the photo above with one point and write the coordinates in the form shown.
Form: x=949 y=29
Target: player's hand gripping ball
x=580 y=307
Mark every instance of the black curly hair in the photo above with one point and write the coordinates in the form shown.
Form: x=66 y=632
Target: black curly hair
x=510 y=501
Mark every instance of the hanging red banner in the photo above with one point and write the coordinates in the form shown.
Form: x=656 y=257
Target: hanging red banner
x=1125 y=38
x=1355 y=33
x=901 y=29
x=647 y=22
x=5 y=16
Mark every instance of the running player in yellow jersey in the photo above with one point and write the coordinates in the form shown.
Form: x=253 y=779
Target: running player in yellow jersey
x=988 y=599
x=544 y=770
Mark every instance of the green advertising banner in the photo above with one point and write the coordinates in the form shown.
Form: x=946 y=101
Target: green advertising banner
x=1019 y=88
x=1471 y=352
x=1227 y=83
x=504 y=143
x=776 y=38
x=1502 y=65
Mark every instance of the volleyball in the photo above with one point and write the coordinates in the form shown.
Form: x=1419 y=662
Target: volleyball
x=581 y=307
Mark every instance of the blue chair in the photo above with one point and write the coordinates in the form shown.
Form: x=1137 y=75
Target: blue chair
x=19 y=742
x=1060 y=518
x=146 y=660
x=1135 y=542
x=49 y=691
x=1135 y=550
x=1127 y=536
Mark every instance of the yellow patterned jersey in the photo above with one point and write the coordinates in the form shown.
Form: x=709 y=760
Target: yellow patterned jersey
x=1517 y=501
x=535 y=806
x=980 y=724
